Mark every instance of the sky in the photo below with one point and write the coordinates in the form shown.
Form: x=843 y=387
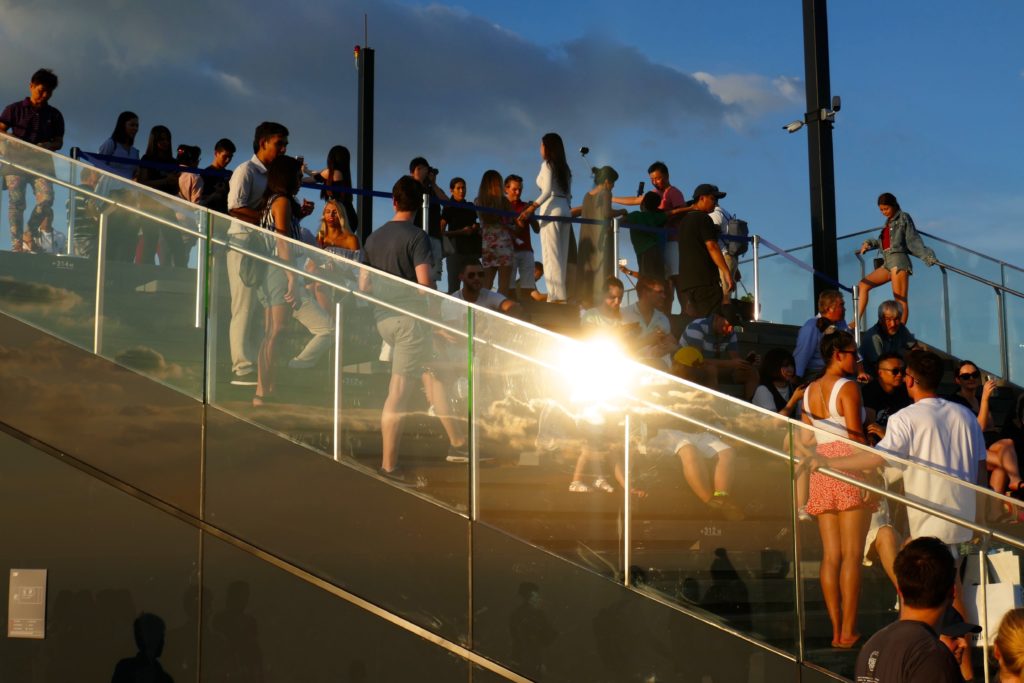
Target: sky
x=932 y=93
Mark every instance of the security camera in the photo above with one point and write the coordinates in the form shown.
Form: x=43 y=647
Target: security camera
x=584 y=151
x=793 y=126
x=837 y=103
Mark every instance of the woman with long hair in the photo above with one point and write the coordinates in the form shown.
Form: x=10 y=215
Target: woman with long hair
x=338 y=173
x=1009 y=646
x=121 y=143
x=334 y=236
x=154 y=236
x=555 y=183
x=281 y=291
x=1000 y=452
x=495 y=232
x=898 y=239
x=595 y=254
x=832 y=403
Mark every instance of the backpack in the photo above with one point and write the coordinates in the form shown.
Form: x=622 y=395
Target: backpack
x=736 y=228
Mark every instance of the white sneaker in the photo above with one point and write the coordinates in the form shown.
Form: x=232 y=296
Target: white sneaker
x=602 y=483
x=803 y=515
x=579 y=487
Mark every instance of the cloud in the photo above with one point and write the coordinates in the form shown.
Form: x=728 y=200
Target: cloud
x=752 y=95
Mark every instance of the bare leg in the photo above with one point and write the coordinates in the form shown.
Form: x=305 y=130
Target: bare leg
x=1002 y=459
x=489 y=274
x=505 y=280
x=391 y=421
x=853 y=527
x=275 y=318
x=723 y=470
x=887 y=544
x=831 y=555
x=696 y=472
x=877 y=277
x=900 y=288
x=437 y=395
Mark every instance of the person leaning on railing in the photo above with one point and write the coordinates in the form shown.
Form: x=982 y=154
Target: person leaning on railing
x=898 y=239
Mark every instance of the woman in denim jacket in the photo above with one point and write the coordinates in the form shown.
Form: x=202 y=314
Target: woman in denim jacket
x=898 y=239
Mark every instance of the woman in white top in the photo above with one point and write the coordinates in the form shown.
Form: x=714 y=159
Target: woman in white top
x=555 y=183
x=776 y=391
x=833 y=404
x=121 y=144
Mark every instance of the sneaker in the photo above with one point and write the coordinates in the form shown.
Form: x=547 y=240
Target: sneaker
x=245 y=377
x=300 y=364
x=460 y=454
x=803 y=515
x=579 y=487
x=400 y=477
x=602 y=484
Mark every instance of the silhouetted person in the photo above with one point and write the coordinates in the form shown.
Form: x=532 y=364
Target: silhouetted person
x=727 y=595
x=144 y=667
x=243 y=657
x=531 y=631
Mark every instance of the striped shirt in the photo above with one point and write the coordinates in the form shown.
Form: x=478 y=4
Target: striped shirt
x=699 y=334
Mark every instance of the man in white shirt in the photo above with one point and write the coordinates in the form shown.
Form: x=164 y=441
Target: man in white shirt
x=245 y=193
x=472 y=290
x=941 y=435
x=654 y=341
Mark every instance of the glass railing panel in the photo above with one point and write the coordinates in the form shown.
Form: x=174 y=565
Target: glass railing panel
x=974 y=313
x=955 y=510
x=712 y=511
x=264 y=624
x=786 y=289
x=329 y=376
x=548 y=620
x=548 y=441
x=1015 y=338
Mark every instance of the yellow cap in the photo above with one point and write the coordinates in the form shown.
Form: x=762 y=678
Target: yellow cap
x=688 y=356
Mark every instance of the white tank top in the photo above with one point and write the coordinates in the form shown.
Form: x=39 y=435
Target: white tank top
x=834 y=422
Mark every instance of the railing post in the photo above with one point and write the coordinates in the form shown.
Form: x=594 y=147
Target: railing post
x=72 y=205
x=426 y=214
x=627 y=512
x=945 y=310
x=1004 y=352
x=615 y=243
x=472 y=443
x=856 y=320
x=756 y=243
x=101 y=259
x=202 y=256
x=337 y=381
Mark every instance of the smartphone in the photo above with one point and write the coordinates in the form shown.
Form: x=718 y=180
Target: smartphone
x=640 y=189
x=622 y=262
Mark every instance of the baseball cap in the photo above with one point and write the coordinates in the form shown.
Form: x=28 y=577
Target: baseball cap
x=954 y=626
x=703 y=189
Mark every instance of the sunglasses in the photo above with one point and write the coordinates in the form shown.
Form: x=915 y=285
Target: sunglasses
x=894 y=371
x=472 y=276
x=969 y=375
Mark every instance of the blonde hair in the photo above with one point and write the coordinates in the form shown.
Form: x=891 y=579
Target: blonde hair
x=1010 y=641
x=321 y=234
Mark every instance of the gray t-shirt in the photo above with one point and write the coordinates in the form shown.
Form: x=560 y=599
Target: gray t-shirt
x=904 y=652
x=397 y=247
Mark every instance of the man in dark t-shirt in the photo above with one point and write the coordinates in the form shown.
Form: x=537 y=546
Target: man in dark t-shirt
x=886 y=393
x=401 y=249
x=700 y=257
x=909 y=650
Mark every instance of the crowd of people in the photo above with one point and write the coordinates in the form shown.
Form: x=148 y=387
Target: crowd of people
x=883 y=393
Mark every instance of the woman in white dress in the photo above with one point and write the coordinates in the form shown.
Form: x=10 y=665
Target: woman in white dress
x=555 y=183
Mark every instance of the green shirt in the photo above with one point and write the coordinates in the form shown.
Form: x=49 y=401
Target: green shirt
x=643 y=239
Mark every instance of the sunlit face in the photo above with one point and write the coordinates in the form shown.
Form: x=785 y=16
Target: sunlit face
x=543 y=151
x=332 y=217
x=659 y=180
x=891 y=372
x=222 y=157
x=969 y=377
x=613 y=298
x=472 y=278
x=705 y=203
x=39 y=94
x=272 y=147
x=131 y=128
x=887 y=210
x=722 y=327
x=836 y=311
x=891 y=323
x=514 y=190
x=459 y=191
